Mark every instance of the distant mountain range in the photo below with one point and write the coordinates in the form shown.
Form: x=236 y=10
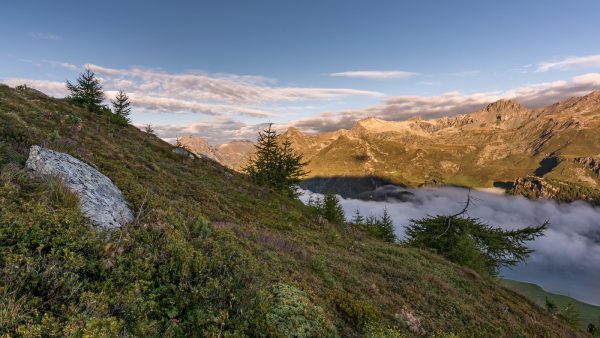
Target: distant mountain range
x=233 y=154
x=502 y=144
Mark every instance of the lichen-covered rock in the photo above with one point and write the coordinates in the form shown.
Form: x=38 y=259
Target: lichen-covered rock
x=101 y=201
x=183 y=152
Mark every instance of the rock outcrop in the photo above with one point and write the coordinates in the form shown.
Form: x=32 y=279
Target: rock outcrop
x=100 y=200
x=591 y=163
x=183 y=152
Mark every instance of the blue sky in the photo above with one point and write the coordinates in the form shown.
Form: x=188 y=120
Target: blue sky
x=221 y=68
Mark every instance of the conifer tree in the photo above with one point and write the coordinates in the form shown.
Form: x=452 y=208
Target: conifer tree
x=386 y=227
x=87 y=91
x=469 y=242
x=358 y=219
x=122 y=105
x=148 y=129
x=332 y=210
x=274 y=165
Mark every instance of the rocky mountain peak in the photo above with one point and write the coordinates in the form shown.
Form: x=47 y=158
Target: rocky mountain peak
x=504 y=106
x=293 y=131
x=370 y=123
x=199 y=146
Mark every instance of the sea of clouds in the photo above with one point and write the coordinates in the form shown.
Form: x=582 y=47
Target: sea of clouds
x=566 y=259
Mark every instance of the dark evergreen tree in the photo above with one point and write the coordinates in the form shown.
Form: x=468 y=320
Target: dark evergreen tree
x=87 y=91
x=332 y=210
x=122 y=105
x=275 y=165
x=385 y=226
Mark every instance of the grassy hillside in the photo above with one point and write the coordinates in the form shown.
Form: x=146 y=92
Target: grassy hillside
x=209 y=253
x=589 y=313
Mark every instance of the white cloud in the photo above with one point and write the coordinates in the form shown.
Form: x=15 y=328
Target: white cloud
x=591 y=79
x=158 y=104
x=397 y=108
x=573 y=62
x=376 y=74
x=158 y=91
x=66 y=65
x=219 y=87
x=45 y=36
x=216 y=131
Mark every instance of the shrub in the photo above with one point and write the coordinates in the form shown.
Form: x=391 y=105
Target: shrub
x=54 y=135
x=292 y=314
x=380 y=227
x=328 y=207
x=72 y=119
x=360 y=313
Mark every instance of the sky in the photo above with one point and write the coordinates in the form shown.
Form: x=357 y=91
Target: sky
x=222 y=69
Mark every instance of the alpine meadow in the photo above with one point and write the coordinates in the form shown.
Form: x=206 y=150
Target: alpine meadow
x=300 y=169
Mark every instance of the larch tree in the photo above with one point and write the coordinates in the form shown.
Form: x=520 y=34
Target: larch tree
x=468 y=241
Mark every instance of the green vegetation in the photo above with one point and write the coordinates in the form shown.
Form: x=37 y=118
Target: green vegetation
x=469 y=242
x=87 y=91
x=122 y=106
x=210 y=253
x=589 y=314
x=568 y=314
x=380 y=227
x=275 y=165
x=328 y=207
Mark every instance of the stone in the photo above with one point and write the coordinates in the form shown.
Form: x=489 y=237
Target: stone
x=183 y=152
x=100 y=200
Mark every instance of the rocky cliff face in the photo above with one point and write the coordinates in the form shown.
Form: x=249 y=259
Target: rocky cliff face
x=233 y=154
x=199 y=146
x=101 y=201
x=536 y=187
x=591 y=163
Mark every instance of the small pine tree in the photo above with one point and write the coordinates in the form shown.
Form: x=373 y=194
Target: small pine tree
x=358 y=219
x=274 y=165
x=122 y=105
x=386 y=227
x=332 y=209
x=87 y=91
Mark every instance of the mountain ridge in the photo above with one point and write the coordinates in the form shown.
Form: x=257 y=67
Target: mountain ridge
x=501 y=142
x=494 y=146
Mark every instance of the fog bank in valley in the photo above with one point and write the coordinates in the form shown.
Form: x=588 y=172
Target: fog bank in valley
x=566 y=259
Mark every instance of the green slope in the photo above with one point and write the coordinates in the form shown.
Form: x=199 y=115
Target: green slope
x=210 y=254
x=589 y=313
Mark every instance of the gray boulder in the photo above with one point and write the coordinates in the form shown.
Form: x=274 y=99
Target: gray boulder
x=101 y=201
x=183 y=152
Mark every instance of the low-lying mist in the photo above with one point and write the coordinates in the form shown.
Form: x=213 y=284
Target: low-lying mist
x=566 y=259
